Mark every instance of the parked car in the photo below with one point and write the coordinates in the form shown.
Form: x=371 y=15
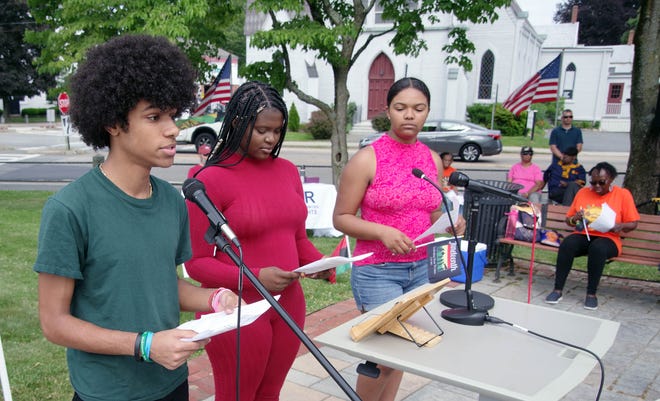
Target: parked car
x=200 y=131
x=463 y=139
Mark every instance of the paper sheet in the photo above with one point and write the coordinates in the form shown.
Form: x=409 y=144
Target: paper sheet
x=329 y=263
x=605 y=220
x=217 y=323
x=440 y=226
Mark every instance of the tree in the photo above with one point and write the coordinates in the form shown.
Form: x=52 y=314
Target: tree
x=198 y=26
x=18 y=76
x=332 y=29
x=602 y=22
x=643 y=168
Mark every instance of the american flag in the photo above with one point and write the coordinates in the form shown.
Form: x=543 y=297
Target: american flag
x=220 y=90
x=541 y=88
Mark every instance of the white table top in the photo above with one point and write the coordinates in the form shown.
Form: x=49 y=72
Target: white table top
x=498 y=361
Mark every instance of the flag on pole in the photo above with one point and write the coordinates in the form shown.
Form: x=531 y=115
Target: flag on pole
x=220 y=90
x=343 y=249
x=541 y=88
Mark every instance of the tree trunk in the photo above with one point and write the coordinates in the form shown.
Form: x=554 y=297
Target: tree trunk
x=339 y=149
x=643 y=172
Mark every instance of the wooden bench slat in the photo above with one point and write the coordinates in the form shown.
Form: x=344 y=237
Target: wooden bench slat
x=640 y=246
x=630 y=243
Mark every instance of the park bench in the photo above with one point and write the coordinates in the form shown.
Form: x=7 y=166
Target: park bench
x=640 y=246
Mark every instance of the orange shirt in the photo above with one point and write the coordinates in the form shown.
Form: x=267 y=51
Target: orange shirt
x=619 y=199
x=445 y=179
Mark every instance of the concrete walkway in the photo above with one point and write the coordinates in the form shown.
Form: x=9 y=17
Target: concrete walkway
x=632 y=365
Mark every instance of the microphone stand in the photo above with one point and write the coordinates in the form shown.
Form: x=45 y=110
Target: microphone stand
x=455 y=298
x=467 y=307
x=225 y=247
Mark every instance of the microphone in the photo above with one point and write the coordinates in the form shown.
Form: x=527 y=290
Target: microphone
x=194 y=191
x=461 y=180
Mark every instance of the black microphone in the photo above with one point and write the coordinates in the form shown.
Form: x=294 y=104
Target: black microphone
x=461 y=180
x=194 y=190
x=420 y=174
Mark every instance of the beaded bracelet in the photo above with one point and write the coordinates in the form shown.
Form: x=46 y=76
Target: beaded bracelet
x=216 y=298
x=136 y=348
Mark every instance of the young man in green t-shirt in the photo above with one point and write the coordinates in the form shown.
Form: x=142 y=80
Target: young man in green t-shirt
x=110 y=242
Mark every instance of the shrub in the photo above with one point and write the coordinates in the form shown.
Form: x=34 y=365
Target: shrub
x=294 y=118
x=504 y=120
x=480 y=113
x=350 y=113
x=33 y=112
x=380 y=122
x=319 y=125
x=509 y=124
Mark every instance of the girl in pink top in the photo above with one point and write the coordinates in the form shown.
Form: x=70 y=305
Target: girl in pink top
x=395 y=208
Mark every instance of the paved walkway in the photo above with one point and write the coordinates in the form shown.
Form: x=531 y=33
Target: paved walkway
x=632 y=365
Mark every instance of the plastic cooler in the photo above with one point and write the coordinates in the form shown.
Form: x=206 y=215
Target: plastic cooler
x=480 y=261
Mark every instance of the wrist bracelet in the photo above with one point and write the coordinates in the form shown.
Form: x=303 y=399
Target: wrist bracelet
x=136 y=348
x=147 y=345
x=216 y=298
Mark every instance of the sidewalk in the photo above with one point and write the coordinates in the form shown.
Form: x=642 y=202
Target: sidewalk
x=632 y=368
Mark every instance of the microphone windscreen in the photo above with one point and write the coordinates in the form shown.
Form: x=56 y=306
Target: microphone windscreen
x=459 y=179
x=190 y=186
x=417 y=173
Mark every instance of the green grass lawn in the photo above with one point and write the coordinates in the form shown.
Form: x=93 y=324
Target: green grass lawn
x=37 y=368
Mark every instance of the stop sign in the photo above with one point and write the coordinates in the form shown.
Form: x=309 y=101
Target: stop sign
x=63 y=102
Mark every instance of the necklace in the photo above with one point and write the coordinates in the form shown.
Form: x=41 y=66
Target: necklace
x=151 y=191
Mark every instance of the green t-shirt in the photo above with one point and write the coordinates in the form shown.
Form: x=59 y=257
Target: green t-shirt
x=122 y=253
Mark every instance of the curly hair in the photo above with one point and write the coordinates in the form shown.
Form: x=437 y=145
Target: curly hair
x=118 y=74
x=249 y=100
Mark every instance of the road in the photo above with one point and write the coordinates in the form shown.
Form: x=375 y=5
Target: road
x=39 y=157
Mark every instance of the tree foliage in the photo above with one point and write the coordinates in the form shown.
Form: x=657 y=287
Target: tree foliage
x=198 y=26
x=332 y=28
x=18 y=76
x=602 y=22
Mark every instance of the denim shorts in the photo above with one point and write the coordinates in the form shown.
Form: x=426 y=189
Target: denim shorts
x=373 y=285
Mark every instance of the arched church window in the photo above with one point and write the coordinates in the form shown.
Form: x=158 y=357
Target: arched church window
x=486 y=75
x=569 y=81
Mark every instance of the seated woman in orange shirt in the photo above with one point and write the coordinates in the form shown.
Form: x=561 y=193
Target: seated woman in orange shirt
x=598 y=246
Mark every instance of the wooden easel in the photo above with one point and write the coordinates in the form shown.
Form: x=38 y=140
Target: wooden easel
x=394 y=320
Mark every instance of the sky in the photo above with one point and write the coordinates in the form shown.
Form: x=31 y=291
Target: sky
x=540 y=11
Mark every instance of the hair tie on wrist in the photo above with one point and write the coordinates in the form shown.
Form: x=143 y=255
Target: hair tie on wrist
x=215 y=300
x=136 y=348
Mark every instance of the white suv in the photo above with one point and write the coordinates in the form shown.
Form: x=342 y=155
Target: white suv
x=201 y=131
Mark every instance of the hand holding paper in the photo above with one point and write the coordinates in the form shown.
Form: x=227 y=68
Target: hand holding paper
x=216 y=323
x=440 y=226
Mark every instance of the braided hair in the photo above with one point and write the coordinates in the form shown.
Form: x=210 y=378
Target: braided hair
x=249 y=100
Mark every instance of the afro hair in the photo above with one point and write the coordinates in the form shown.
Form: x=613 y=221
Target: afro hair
x=118 y=74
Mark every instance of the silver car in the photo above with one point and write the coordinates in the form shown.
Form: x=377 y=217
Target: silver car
x=463 y=139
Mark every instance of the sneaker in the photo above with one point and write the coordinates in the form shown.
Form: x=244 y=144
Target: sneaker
x=591 y=302
x=553 y=298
